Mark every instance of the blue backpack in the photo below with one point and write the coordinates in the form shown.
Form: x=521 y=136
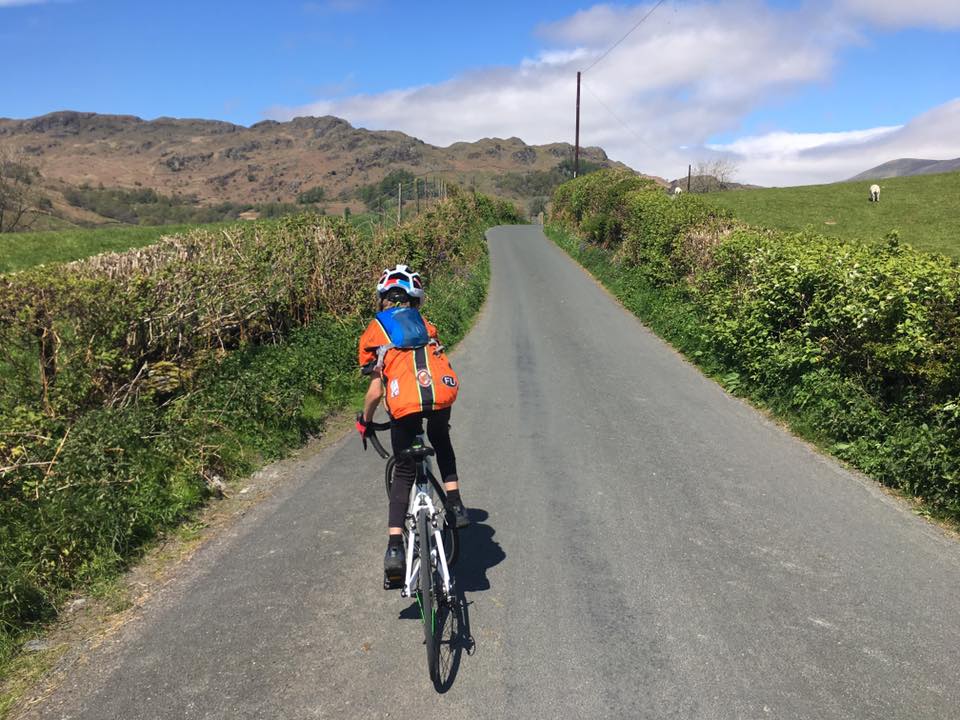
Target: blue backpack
x=404 y=327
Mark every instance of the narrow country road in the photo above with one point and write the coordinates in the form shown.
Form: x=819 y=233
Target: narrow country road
x=644 y=546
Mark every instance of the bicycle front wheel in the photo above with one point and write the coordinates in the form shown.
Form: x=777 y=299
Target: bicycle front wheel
x=427 y=592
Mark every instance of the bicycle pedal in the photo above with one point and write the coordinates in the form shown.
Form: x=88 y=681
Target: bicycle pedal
x=392 y=582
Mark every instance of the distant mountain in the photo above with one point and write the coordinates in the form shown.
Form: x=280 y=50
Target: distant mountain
x=908 y=166
x=271 y=161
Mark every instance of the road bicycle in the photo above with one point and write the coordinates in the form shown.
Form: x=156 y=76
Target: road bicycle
x=431 y=544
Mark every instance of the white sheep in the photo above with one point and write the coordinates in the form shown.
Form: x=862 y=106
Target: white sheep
x=874 y=193
x=677 y=190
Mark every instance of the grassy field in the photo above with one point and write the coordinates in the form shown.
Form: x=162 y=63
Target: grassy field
x=23 y=250
x=925 y=209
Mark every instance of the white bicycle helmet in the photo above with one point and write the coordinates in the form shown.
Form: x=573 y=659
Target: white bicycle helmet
x=403 y=278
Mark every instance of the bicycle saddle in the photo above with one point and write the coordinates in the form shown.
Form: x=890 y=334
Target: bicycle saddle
x=417 y=452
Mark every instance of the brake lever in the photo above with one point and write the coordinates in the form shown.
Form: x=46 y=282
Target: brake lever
x=363 y=435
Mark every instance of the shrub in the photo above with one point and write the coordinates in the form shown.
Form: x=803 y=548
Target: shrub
x=147 y=207
x=312 y=196
x=594 y=203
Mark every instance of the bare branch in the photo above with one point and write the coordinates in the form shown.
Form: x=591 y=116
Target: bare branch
x=19 y=197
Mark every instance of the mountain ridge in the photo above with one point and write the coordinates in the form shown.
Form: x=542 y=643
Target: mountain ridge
x=270 y=161
x=904 y=167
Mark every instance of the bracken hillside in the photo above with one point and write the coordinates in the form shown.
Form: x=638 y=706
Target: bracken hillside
x=270 y=162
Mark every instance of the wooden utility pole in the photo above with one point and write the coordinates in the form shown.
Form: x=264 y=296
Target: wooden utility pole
x=689 y=172
x=576 y=146
x=416 y=193
x=399 y=201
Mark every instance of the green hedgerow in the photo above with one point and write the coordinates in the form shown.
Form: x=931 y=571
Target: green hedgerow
x=130 y=381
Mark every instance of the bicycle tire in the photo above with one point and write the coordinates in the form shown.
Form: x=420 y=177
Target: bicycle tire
x=450 y=533
x=427 y=594
x=451 y=541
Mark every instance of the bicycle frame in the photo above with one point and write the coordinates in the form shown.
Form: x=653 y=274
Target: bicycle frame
x=420 y=500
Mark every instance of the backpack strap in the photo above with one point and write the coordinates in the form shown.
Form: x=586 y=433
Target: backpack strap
x=381 y=354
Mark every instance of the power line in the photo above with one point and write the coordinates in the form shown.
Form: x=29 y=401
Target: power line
x=609 y=49
x=617 y=118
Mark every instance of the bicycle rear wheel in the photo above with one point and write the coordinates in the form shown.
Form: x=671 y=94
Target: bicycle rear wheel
x=448 y=528
x=451 y=540
x=427 y=592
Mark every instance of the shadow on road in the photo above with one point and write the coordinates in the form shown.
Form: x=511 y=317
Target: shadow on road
x=478 y=553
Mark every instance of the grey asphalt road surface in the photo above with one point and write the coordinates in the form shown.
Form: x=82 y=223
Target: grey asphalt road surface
x=643 y=546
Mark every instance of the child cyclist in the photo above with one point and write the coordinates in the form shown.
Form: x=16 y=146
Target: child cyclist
x=416 y=383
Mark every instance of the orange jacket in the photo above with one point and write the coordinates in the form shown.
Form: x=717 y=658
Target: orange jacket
x=414 y=380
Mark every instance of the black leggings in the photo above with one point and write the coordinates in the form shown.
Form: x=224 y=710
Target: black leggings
x=402 y=434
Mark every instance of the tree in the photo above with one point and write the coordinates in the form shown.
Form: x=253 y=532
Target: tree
x=536 y=206
x=566 y=167
x=384 y=193
x=312 y=196
x=713 y=175
x=19 y=199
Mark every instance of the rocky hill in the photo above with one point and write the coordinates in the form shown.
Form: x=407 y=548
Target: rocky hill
x=270 y=161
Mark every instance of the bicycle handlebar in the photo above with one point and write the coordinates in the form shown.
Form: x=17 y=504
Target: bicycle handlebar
x=378 y=447
x=372 y=437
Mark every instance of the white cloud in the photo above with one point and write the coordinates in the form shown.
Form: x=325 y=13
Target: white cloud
x=785 y=143
x=692 y=71
x=801 y=158
x=940 y=14
x=16 y=3
x=557 y=57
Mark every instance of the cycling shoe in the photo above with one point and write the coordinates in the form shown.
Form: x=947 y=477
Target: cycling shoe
x=393 y=567
x=459 y=514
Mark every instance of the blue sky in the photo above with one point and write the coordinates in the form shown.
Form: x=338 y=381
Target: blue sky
x=694 y=80
x=233 y=61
